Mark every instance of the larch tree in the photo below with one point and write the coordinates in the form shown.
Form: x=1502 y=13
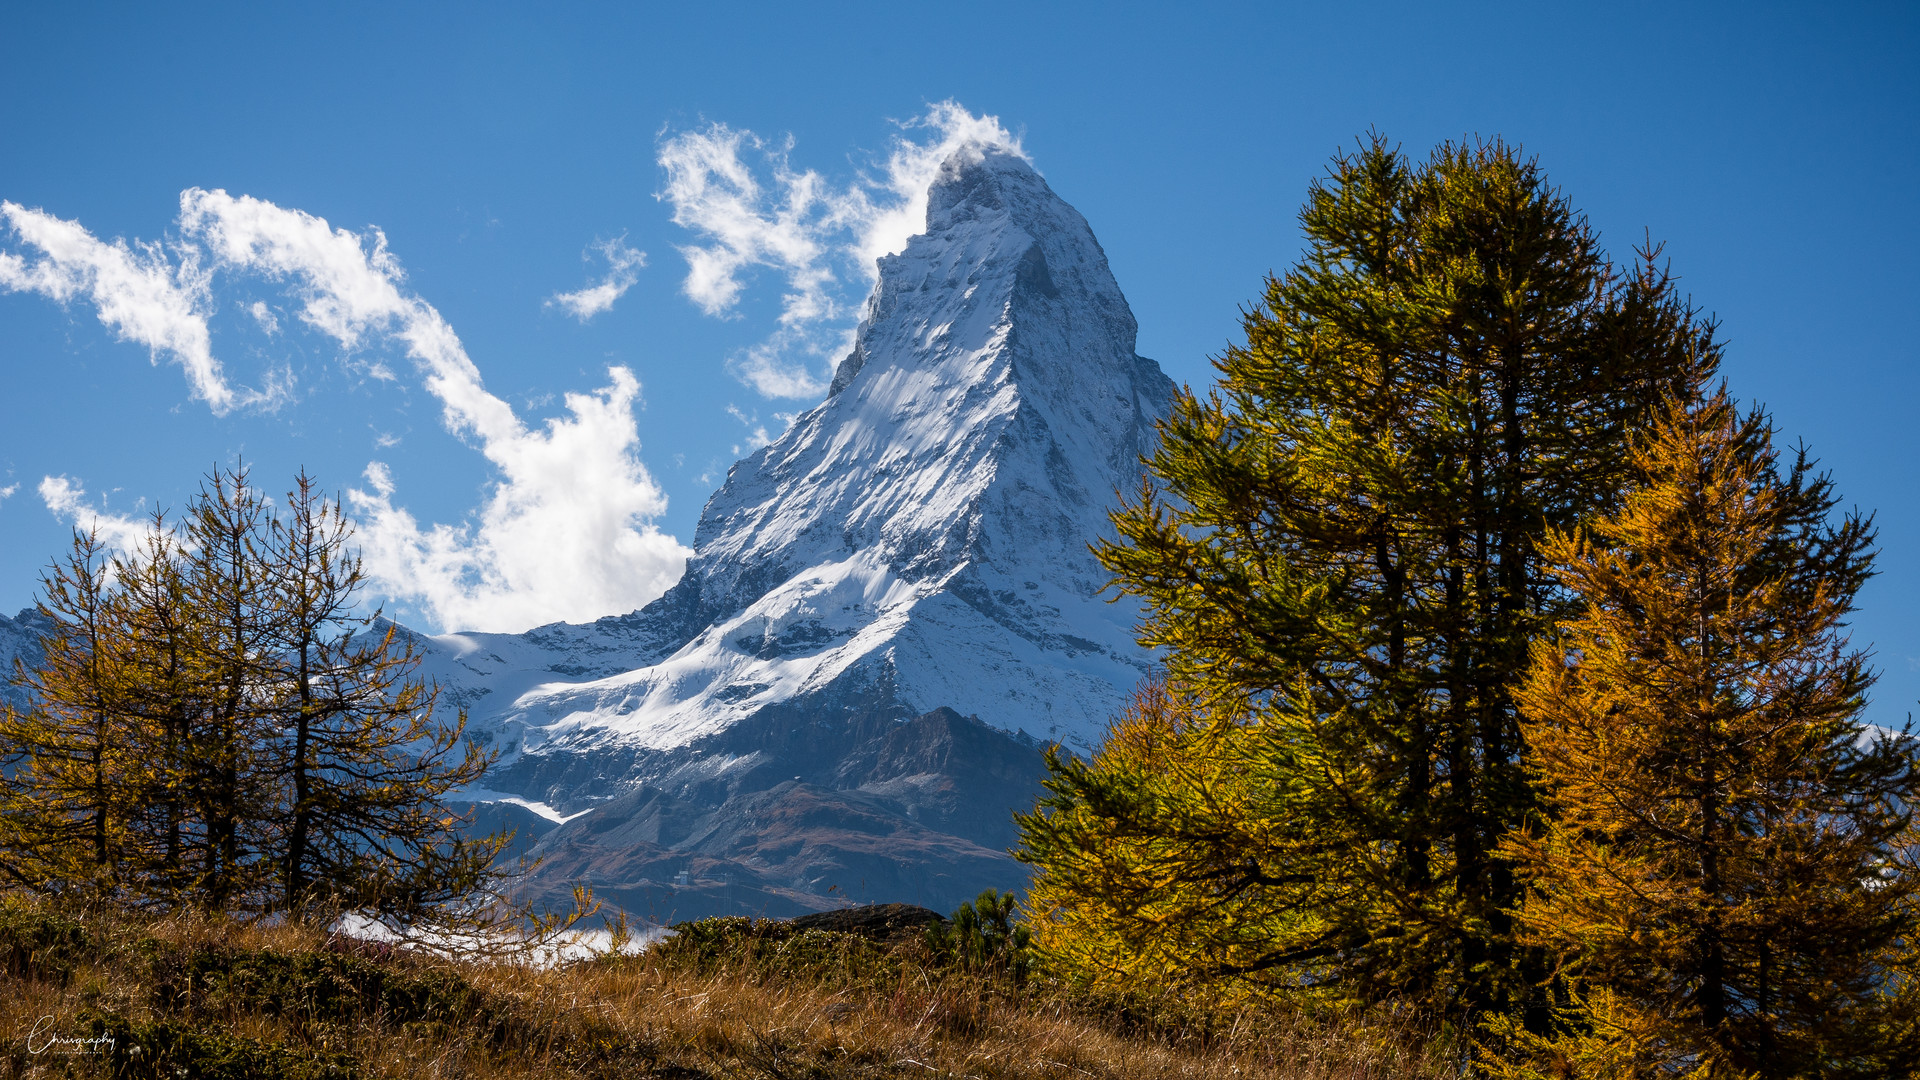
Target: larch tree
x=1165 y=824
x=224 y=573
x=1725 y=855
x=69 y=788
x=1336 y=549
x=217 y=724
x=168 y=687
x=362 y=763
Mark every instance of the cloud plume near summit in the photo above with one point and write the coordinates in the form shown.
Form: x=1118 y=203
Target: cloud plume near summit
x=565 y=531
x=754 y=212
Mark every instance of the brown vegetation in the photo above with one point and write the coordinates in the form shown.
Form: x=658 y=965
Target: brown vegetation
x=218 y=998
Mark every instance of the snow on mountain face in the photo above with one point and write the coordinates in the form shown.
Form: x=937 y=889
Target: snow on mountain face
x=921 y=534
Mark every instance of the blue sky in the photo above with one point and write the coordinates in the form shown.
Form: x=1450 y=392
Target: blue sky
x=509 y=155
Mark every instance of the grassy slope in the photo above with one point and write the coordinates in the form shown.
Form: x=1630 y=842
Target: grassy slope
x=192 y=997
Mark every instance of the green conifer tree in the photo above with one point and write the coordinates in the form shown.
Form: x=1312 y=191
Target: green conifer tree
x=1337 y=553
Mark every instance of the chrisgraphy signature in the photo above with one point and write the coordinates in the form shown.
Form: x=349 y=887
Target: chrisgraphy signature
x=43 y=1040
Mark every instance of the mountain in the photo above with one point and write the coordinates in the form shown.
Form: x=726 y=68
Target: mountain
x=890 y=609
x=19 y=640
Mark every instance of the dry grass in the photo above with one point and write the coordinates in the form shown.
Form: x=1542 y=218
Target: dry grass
x=230 y=1000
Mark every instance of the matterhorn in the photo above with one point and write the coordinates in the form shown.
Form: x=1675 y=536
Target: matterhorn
x=889 y=612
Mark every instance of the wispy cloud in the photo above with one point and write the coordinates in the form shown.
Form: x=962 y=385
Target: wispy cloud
x=264 y=315
x=623 y=269
x=757 y=432
x=137 y=290
x=68 y=501
x=782 y=226
x=755 y=211
x=757 y=436
x=566 y=529
x=893 y=207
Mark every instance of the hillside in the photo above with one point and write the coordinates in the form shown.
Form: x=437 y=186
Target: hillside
x=97 y=997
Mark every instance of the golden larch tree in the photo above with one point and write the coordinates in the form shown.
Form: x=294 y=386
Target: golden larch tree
x=1724 y=855
x=216 y=723
x=71 y=776
x=1335 y=552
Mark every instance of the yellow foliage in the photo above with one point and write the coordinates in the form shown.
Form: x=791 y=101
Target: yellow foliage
x=1179 y=860
x=1598 y=1036
x=1724 y=863
x=216 y=723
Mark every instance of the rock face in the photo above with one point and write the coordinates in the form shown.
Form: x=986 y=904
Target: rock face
x=890 y=609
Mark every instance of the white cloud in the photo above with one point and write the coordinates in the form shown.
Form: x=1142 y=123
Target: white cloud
x=137 y=291
x=348 y=289
x=68 y=501
x=741 y=193
x=901 y=211
x=793 y=362
x=757 y=432
x=560 y=537
x=757 y=436
x=264 y=315
x=566 y=529
x=715 y=192
x=623 y=269
x=7 y=492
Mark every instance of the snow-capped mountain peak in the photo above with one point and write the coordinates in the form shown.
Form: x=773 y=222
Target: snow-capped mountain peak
x=922 y=533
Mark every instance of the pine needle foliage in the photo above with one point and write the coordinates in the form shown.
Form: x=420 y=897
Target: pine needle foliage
x=1337 y=551
x=984 y=935
x=1726 y=852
